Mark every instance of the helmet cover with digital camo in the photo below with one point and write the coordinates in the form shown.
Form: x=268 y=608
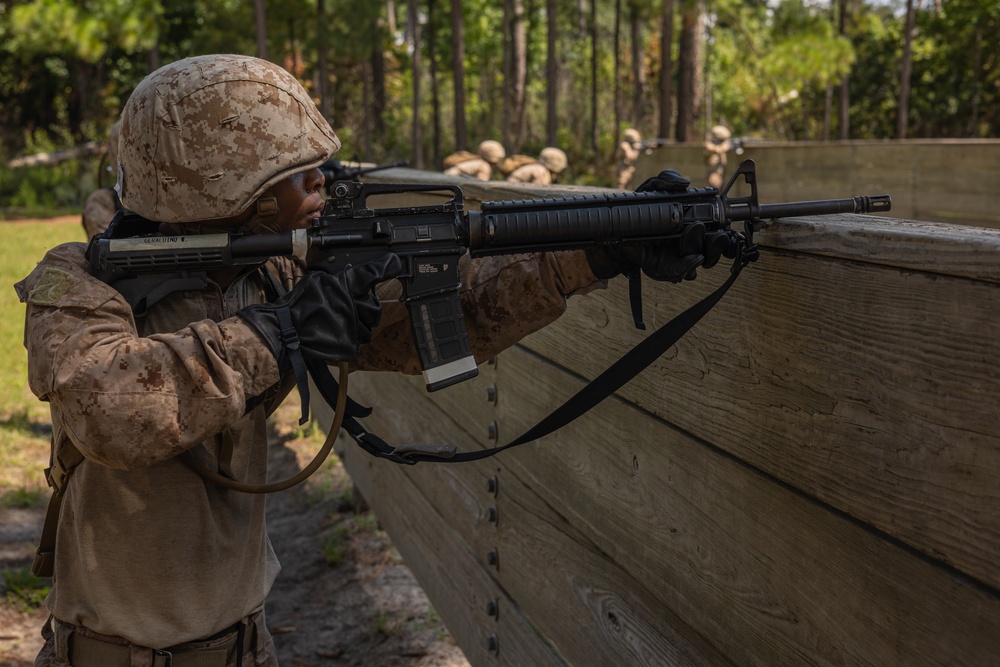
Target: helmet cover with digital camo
x=553 y=158
x=202 y=138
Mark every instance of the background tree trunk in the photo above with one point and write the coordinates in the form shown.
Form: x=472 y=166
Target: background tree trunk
x=458 y=73
x=618 y=73
x=689 y=69
x=519 y=66
x=905 y=68
x=261 y=17
x=377 y=61
x=432 y=18
x=639 y=92
x=844 y=116
x=666 y=68
x=552 y=74
x=595 y=130
x=416 y=136
x=322 y=83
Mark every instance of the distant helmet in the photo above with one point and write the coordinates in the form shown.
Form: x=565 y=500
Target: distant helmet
x=553 y=159
x=492 y=151
x=721 y=133
x=203 y=137
x=632 y=135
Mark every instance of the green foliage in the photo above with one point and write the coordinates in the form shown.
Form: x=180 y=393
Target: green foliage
x=24 y=590
x=66 y=69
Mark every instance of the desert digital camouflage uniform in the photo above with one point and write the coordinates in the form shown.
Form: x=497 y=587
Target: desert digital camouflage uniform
x=149 y=553
x=535 y=173
x=98 y=210
x=626 y=155
x=551 y=162
x=477 y=168
x=132 y=394
x=490 y=155
x=716 y=149
x=100 y=207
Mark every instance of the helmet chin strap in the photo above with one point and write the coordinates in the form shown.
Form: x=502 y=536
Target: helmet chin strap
x=266 y=217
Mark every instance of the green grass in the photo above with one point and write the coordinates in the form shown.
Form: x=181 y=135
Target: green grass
x=24 y=590
x=24 y=425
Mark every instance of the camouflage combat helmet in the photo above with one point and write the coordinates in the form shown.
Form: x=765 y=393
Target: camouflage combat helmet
x=202 y=138
x=631 y=135
x=492 y=151
x=553 y=159
x=720 y=133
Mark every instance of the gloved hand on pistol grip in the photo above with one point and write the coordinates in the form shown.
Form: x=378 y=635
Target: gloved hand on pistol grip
x=327 y=315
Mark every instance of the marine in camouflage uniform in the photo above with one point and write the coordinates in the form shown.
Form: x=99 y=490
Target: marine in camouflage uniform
x=490 y=155
x=551 y=162
x=102 y=204
x=626 y=155
x=716 y=150
x=153 y=565
x=149 y=556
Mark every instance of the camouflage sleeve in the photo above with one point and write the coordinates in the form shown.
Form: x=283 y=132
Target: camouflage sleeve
x=129 y=401
x=98 y=210
x=503 y=300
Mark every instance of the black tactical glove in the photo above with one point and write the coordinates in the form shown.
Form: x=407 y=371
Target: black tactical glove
x=672 y=260
x=326 y=316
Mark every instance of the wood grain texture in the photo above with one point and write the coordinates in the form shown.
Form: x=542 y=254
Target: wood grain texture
x=879 y=402
x=620 y=514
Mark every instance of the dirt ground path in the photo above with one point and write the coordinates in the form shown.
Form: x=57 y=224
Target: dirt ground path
x=344 y=598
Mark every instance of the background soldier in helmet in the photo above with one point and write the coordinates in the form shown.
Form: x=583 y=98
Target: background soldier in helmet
x=551 y=162
x=463 y=163
x=625 y=157
x=716 y=148
x=102 y=204
x=152 y=564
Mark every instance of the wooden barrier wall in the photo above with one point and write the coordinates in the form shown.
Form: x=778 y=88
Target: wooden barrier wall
x=930 y=179
x=810 y=477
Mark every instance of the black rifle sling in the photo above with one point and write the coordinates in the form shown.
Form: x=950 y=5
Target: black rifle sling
x=612 y=379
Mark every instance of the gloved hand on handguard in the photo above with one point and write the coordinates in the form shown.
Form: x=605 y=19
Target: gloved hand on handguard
x=673 y=260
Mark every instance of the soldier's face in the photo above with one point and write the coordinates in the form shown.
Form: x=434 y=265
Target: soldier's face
x=300 y=199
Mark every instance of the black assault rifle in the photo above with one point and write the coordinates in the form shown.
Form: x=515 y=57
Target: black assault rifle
x=430 y=239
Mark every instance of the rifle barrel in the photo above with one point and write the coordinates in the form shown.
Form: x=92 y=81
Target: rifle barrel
x=861 y=204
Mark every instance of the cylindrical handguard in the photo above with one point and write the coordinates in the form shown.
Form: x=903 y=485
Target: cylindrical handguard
x=503 y=227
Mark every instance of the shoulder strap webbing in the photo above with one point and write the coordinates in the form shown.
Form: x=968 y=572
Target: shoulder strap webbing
x=64 y=462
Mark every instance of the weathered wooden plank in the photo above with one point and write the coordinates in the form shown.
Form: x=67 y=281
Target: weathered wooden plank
x=430 y=505
x=881 y=406
x=454 y=575
x=764 y=573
